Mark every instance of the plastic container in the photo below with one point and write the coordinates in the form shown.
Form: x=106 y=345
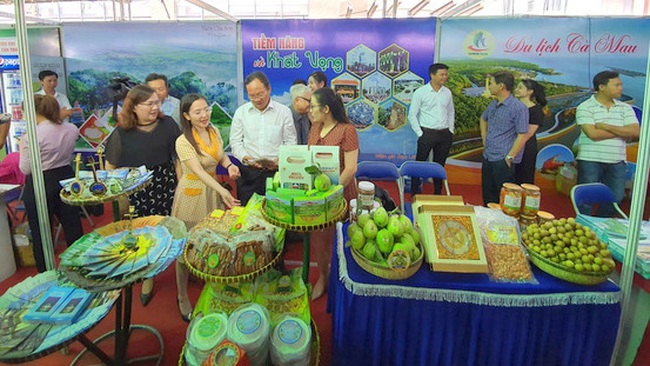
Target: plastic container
x=494 y=206
x=530 y=200
x=526 y=221
x=543 y=216
x=510 y=199
x=249 y=328
x=290 y=342
x=204 y=334
x=366 y=195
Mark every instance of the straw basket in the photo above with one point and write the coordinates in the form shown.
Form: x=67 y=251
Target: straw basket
x=567 y=274
x=231 y=279
x=386 y=272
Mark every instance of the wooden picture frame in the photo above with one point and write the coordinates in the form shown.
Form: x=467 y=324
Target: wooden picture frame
x=451 y=239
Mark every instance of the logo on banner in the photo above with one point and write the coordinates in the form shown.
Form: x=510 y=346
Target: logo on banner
x=8 y=62
x=478 y=44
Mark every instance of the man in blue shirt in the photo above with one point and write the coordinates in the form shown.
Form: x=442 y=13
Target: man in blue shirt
x=170 y=105
x=504 y=131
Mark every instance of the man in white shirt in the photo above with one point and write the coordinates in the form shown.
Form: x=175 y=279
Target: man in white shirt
x=49 y=81
x=606 y=126
x=258 y=129
x=431 y=116
x=170 y=105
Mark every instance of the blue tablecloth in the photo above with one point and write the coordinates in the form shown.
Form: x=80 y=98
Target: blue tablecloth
x=436 y=318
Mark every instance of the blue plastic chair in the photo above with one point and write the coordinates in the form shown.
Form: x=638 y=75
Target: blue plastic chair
x=593 y=194
x=423 y=170
x=378 y=170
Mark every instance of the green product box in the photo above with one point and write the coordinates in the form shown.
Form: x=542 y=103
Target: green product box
x=308 y=210
x=276 y=180
x=291 y=192
x=279 y=207
x=334 y=202
x=269 y=184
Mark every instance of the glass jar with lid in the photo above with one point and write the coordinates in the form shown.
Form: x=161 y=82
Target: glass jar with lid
x=530 y=200
x=543 y=216
x=510 y=199
x=366 y=195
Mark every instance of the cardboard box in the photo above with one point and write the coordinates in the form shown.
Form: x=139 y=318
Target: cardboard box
x=450 y=238
x=327 y=160
x=334 y=202
x=292 y=163
x=420 y=200
x=279 y=207
x=308 y=210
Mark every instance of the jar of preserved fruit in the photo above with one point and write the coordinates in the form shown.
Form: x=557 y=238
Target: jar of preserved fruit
x=543 y=216
x=526 y=221
x=510 y=200
x=530 y=199
x=366 y=195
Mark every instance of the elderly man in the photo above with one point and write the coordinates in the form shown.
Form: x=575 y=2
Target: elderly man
x=300 y=102
x=504 y=131
x=49 y=81
x=258 y=129
x=170 y=105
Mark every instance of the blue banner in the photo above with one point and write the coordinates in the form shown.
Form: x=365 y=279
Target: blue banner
x=9 y=62
x=374 y=65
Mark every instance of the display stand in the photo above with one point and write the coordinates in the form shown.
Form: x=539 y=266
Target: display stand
x=306 y=230
x=123 y=326
x=73 y=332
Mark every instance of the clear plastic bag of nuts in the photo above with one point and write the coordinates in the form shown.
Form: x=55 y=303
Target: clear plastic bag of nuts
x=507 y=261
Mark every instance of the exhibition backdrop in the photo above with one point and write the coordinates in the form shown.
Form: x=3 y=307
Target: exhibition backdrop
x=374 y=65
x=196 y=57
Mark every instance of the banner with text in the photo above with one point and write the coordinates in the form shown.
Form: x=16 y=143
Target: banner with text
x=375 y=65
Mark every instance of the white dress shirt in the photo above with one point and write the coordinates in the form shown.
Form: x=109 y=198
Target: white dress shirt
x=62 y=99
x=259 y=134
x=431 y=109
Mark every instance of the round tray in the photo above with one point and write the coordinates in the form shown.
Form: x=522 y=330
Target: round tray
x=67 y=198
x=303 y=228
x=314 y=354
x=385 y=272
x=564 y=273
x=231 y=279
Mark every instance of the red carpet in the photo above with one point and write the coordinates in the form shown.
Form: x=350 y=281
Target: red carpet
x=162 y=312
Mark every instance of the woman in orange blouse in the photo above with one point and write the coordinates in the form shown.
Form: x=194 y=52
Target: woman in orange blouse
x=331 y=127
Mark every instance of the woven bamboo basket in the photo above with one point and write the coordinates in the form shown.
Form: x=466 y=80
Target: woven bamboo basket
x=386 y=272
x=314 y=354
x=567 y=274
x=303 y=228
x=231 y=279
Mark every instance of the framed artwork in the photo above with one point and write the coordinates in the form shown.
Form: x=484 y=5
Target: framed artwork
x=451 y=240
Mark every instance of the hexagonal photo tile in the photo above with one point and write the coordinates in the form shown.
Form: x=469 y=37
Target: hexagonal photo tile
x=361 y=60
x=362 y=114
x=347 y=86
x=376 y=87
x=391 y=115
x=393 y=60
x=405 y=85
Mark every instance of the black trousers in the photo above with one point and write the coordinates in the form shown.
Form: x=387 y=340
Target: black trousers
x=67 y=215
x=440 y=142
x=252 y=180
x=525 y=170
x=493 y=175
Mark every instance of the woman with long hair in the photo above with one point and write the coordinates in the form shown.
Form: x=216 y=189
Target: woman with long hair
x=56 y=141
x=145 y=136
x=200 y=151
x=331 y=127
x=531 y=93
x=317 y=80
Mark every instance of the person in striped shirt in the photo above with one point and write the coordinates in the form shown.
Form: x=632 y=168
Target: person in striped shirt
x=607 y=125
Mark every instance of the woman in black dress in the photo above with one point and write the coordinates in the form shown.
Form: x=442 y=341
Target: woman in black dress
x=532 y=95
x=146 y=136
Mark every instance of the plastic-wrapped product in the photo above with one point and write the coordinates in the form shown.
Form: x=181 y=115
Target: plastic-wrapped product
x=290 y=342
x=283 y=294
x=249 y=328
x=204 y=334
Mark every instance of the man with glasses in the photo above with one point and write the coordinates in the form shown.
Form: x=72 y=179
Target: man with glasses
x=170 y=105
x=258 y=129
x=300 y=101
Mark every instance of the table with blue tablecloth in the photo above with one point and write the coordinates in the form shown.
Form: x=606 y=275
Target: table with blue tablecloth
x=436 y=318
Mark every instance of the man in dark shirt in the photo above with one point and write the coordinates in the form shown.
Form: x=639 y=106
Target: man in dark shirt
x=300 y=102
x=504 y=131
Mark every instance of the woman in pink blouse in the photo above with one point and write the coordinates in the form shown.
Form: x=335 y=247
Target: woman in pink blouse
x=56 y=141
x=331 y=127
